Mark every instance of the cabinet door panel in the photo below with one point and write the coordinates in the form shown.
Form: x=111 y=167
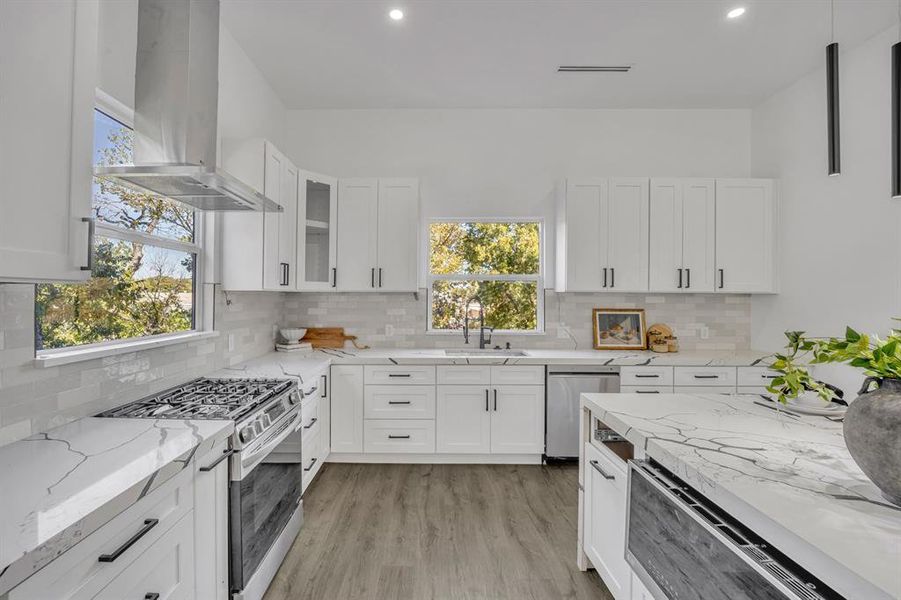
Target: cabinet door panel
x=272 y=188
x=698 y=234
x=585 y=232
x=745 y=235
x=287 y=227
x=347 y=408
x=666 y=235
x=517 y=419
x=48 y=58
x=357 y=234
x=627 y=238
x=211 y=526
x=317 y=239
x=398 y=235
x=605 y=522
x=463 y=419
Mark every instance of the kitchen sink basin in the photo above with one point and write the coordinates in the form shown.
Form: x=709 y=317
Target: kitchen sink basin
x=486 y=352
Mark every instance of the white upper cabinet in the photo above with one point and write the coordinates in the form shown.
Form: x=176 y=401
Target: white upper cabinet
x=378 y=233
x=602 y=236
x=48 y=63
x=317 y=226
x=398 y=235
x=627 y=235
x=682 y=238
x=259 y=250
x=746 y=217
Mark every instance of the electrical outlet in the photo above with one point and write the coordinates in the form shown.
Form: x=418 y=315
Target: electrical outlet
x=231 y=342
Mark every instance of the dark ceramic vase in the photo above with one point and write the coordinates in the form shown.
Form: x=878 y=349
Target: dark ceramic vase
x=873 y=434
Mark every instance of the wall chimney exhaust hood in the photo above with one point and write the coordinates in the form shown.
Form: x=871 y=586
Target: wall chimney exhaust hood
x=176 y=106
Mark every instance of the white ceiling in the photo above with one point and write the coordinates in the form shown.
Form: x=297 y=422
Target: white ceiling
x=504 y=53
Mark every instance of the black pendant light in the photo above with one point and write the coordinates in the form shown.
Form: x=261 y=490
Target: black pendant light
x=896 y=115
x=832 y=107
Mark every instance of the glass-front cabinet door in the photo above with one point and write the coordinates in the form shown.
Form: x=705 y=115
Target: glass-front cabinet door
x=317 y=215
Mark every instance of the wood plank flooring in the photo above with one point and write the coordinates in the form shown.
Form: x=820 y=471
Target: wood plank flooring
x=443 y=532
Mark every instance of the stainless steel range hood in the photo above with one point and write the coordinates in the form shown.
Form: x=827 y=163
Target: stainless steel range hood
x=176 y=106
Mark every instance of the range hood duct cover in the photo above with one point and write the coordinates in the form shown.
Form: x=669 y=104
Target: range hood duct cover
x=176 y=110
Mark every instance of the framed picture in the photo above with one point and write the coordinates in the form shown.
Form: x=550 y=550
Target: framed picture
x=619 y=329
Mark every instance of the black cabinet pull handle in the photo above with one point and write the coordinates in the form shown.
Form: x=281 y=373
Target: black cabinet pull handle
x=495 y=399
x=399 y=375
x=598 y=468
x=334 y=276
x=151 y=596
x=312 y=462
x=372 y=277
x=148 y=525
x=707 y=376
x=612 y=277
x=722 y=278
x=380 y=277
x=605 y=276
x=284 y=267
x=398 y=437
x=312 y=422
x=399 y=402
x=91 y=230
x=486 y=400
x=647 y=376
x=646 y=392
x=324 y=386
x=680 y=278
x=688 y=278
x=769 y=376
x=216 y=462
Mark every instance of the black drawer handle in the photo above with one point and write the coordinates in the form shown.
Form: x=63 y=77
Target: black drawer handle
x=398 y=437
x=216 y=462
x=647 y=376
x=646 y=392
x=769 y=376
x=598 y=468
x=310 y=468
x=707 y=376
x=151 y=596
x=313 y=422
x=399 y=375
x=148 y=525
x=399 y=402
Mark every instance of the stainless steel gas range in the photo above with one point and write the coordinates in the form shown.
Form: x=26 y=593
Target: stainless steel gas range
x=265 y=504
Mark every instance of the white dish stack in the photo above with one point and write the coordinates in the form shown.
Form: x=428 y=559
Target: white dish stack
x=292 y=342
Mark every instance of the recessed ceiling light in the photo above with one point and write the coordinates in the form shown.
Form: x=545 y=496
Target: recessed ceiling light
x=735 y=12
x=396 y=14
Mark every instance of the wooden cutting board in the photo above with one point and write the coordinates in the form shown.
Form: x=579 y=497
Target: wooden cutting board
x=329 y=337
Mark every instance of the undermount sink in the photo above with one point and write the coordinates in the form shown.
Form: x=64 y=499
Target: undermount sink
x=485 y=352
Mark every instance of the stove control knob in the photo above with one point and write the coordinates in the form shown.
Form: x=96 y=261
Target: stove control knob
x=293 y=398
x=246 y=434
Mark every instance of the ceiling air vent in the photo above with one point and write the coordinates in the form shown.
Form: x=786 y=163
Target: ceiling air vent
x=593 y=69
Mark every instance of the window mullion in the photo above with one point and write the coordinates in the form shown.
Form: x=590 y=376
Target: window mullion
x=139 y=237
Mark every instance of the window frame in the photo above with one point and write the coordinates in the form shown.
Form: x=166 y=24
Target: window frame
x=202 y=325
x=537 y=278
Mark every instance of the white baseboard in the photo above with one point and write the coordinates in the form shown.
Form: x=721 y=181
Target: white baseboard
x=437 y=459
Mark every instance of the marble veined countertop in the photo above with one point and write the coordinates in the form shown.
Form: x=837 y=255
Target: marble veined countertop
x=792 y=481
x=58 y=487
x=280 y=365
x=745 y=358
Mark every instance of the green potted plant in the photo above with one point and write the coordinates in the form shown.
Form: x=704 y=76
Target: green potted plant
x=872 y=424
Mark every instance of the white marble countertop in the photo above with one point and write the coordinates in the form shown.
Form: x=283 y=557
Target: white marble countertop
x=281 y=365
x=792 y=481
x=60 y=486
x=744 y=358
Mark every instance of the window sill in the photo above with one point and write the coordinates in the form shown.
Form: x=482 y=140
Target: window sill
x=55 y=358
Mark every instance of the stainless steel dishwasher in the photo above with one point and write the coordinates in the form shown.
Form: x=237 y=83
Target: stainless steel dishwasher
x=564 y=385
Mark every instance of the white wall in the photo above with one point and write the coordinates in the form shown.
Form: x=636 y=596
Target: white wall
x=503 y=163
x=840 y=249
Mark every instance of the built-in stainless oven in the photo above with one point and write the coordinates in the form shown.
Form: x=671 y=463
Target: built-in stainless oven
x=265 y=505
x=682 y=546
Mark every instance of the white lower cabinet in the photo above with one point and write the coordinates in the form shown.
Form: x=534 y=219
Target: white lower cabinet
x=210 y=526
x=463 y=419
x=406 y=436
x=517 y=419
x=347 y=408
x=605 y=521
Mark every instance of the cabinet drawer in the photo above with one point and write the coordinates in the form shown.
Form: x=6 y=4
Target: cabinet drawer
x=398 y=375
x=618 y=471
x=704 y=389
x=646 y=376
x=756 y=376
x=78 y=573
x=646 y=389
x=402 y=436
x=704 y=376
x=517 y=375
x=310 y=456
x=464 y=375
x=399 y=402
x=309 y=413
x=164 y=569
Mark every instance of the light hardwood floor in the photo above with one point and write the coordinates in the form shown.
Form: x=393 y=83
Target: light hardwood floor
x=443 y=532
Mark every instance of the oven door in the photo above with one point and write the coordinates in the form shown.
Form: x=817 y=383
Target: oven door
x=265 y=497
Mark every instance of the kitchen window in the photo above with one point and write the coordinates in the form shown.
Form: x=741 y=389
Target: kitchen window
x=146 y=255
x=497 y=262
